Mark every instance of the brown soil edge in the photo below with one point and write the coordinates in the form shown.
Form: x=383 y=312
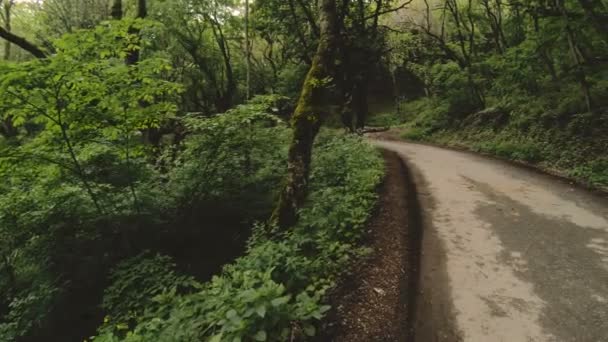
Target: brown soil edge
x=377 y=300
x=554 y=173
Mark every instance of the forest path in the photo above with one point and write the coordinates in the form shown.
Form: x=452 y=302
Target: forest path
x=507 y=254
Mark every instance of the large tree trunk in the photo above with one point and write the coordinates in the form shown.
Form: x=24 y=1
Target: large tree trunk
x=142 y=8
x=361 y=106
x=312 y=107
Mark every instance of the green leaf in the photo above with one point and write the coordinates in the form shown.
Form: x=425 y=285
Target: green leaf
x=122 y=326
x=231 y=314
x=261 y=311
x=280 y=301
x=309 y=330
x=216 y=338
x=260 y=336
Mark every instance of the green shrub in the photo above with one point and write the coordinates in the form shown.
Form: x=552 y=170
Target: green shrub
x=415 y=134
x=134 y=285
x=595 y=171
x=517 y=151
x=386 y=119
x=234 y=158
x=278 y=288
x=27 y=311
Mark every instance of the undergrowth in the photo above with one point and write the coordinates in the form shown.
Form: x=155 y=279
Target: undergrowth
x=528 y=131
x=276 y=292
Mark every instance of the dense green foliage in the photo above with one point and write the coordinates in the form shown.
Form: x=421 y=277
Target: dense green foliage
x=126 y=198
x=64 y=214
x=139 y=175
x=521 y=80
x=278 y=283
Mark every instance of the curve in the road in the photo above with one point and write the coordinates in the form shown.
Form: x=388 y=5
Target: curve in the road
x=507 y=254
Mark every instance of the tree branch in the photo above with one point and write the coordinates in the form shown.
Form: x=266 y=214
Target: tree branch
x=309 y=16
x=381 y=13
x=23 y=43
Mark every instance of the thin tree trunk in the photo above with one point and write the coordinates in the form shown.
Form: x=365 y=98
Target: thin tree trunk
x=142 y=11
x=300 y=34
x=247 y=50
x=8 y=5
x=312 y=107
x=494 y=25
x=7 y=128
x=361 y=105
x=544 y=53
x=546 y=58
x=310 y=17
x=578 y=63
x=269 y=57
x=77 y=166
x=10 y=272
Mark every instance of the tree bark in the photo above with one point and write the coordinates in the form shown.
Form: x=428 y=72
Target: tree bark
x=247 y=51
x=361 y=106
x=7 y=128
x=495 y=26
x=8 y=5
x=310 y=18
x=142 y=9
x=225 y=101
x=22 y=43
x=305 y=57
x=312 y=107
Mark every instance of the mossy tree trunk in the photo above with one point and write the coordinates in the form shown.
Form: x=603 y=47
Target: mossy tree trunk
x=313 y=107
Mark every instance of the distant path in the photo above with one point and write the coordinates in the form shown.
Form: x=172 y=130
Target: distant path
x=507 y=254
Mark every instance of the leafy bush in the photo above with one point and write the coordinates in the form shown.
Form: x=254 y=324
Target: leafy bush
x=290 y=80
x=596 y=171
x=134 y=285
x=415 y=134
x=82 y=186
x=27 y=311
x=277 y=290
x=236 y=158
x=76 y=170
x=511 y=150
x=386 y=120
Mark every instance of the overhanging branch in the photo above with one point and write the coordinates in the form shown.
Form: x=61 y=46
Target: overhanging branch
x=391 y=10
x=22 y=43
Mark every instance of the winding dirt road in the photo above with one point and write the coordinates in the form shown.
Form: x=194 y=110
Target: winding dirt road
x=508 y=254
